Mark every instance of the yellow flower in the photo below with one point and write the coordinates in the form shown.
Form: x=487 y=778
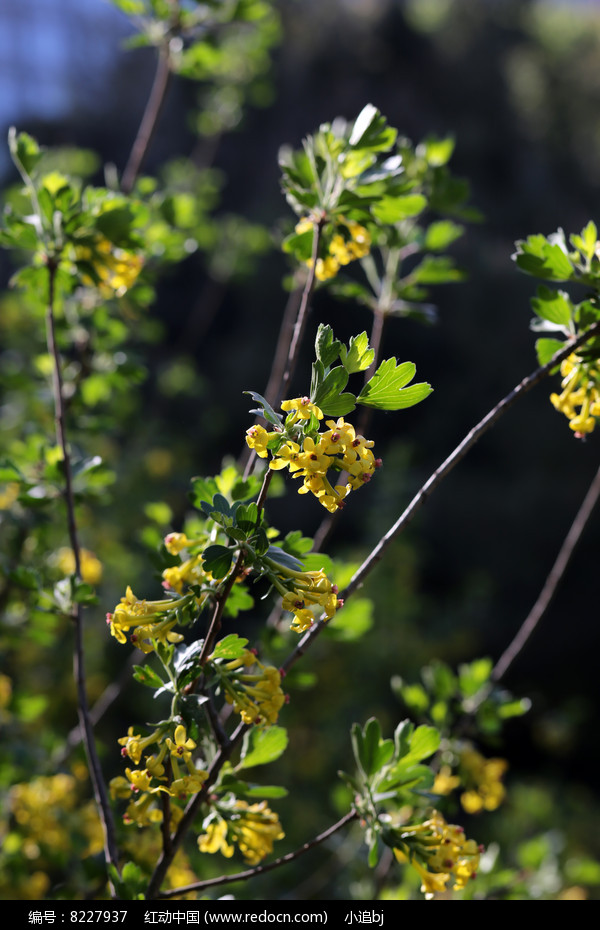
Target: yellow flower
x=338 y=448
x=581 y=388
x=301 y=409
x=252 y=827
x=256 y=830
x=9 y=495
x=349 y=241
x=256 y=696
x=91 y=566
x=257 y=439
x=149 y=619
x=118 y=269
x=215 y=839
x=182 y=747
x=483 y=781
x=439 y=852
x=445 y=781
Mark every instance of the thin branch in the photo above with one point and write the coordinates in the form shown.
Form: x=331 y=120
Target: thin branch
x=261 y=869
x=221 y=599
x=459 y=453
x=438 y=475
x=273 y=389
x=284 y=341
x=287 y=347
x=552 y=581
x=300 y=325
x=149 y=120
x=85 y=724
x=191 y=811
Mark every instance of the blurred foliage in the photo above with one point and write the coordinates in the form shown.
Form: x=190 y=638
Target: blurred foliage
x=153 y=376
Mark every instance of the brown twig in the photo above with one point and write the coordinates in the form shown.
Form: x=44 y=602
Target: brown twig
x=288 y=347
x=300 y=325
x=220 y=601
x=85 y=724
x=552 y=581
x=149 y=121
x=191 y=811
x=261 y=869
x=438 y=475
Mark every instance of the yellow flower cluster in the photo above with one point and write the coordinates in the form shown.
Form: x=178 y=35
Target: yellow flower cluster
x=146 y=783
x=581 y=389
x=256 y=696
x=41 y=808
x=338 y=448
x=483 y=780
x=153 y=621
x=440 y=853
x=349 y=242
x=91 y=566
x=190 y=571
x=311 y=590
x=118 y=269
x=252 y=827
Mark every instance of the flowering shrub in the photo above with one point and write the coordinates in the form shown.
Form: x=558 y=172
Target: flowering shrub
x=367 y=203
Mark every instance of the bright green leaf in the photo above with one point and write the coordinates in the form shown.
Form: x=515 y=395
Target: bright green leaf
x=387 y=389
x=262 y=746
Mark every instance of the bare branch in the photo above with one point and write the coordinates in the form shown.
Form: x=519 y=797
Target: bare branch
x=552 y=581
x=149 y=121
x=261 y=869
x=85 y=724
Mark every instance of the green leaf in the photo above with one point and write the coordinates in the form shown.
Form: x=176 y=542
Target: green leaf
x=26 y=578
x=370 y=130
x=473 y=675
x=9 y=472
x=84 y=593
x=340 y=406
x=437 y=152
x=587 y=241
x=542 y=258
x=407 y=777
x=547 y=348
x=266 y=410
x=330 y=388
x=231 y=647
x=423 y=743
x=394 y=209
x=203 y=490
x=147 y=676
x=116 y=224
x=24 y=149
x=266 y=791
x=434 y=269
x=402 y=735
x=261 y=746
x=552 y=305
x=441 y=234
x=358 y=356
x=373 y=858
x=371 y=751
x=327 y=348
x=217 y=560
x=514 y=708
x=386 y=389
x=277 y=554
x=440 y=679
